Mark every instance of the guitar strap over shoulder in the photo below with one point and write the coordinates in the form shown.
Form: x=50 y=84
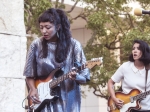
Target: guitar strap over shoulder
x=147 y=69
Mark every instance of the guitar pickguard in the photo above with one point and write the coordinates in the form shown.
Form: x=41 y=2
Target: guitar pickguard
x=44 y=93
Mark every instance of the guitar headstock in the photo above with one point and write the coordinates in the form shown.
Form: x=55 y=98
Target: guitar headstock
x=93 y=62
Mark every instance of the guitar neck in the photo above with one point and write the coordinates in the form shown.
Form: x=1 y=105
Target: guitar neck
x=140 y=96
x=88 y=64
x=56 y=81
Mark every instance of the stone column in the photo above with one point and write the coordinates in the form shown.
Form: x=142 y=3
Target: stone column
x=12 y=55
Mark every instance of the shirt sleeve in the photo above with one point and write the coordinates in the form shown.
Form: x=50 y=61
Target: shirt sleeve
x=118 y=75
x=84 y=75
x=30 y=65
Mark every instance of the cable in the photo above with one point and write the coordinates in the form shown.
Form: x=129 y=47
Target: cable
x=26 y=107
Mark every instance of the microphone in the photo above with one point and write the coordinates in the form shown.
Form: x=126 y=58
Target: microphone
x=139 y=11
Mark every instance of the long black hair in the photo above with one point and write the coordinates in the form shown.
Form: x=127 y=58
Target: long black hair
x=144 y=48
x=58 y=18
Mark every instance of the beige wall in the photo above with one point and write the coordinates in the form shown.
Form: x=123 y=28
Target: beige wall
x=82 y=35
x=92 y=103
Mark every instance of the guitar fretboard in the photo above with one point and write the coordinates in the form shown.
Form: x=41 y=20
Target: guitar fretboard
x=55 y=82
x=141 y=95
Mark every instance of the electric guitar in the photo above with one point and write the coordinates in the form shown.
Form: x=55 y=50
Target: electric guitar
x=44 y=86
x=131 y=101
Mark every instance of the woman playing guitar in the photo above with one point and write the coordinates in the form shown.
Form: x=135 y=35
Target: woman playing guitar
x=50 y=56
x=132 y=75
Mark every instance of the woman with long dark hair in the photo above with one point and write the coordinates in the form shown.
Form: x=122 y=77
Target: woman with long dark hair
x=55 y=49
x=135 y=78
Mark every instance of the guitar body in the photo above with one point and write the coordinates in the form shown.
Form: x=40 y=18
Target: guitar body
x=44 y=91
x=128 y=105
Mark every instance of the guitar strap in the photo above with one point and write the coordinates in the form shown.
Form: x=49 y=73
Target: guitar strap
x=146 y=68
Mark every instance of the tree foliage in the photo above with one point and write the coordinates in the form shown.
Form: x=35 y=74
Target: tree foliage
x=114 y=29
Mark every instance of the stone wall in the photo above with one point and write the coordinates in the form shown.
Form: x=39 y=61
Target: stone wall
x=12 y=55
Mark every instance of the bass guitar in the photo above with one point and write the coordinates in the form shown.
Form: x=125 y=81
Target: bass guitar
x=131 y=101
x=45 y=86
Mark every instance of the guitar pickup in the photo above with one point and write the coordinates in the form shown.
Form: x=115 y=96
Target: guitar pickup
x=131 y=99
